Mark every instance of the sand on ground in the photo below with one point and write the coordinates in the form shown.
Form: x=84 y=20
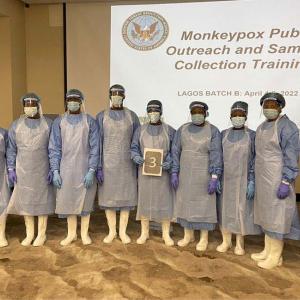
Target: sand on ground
x=150 y=271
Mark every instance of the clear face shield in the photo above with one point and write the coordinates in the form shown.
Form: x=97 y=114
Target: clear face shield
x=31 y=108
x=154 y=117
x=270 y=109
x=154 y=114
x=117 y=98
x=198 y=115
x=238 y=117
x=74 y=105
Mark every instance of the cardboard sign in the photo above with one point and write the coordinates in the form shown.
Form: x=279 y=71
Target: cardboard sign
x=153 y=162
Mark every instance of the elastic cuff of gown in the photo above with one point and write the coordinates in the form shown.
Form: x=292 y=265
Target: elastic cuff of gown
x=118 y=208
x=83 y=214
x=289 y=180
x=196 y=225
x=294 y=234
x=215 y=171
x=23 y=214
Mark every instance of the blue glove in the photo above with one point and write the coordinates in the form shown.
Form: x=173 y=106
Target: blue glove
x=283 y=190
x=167 y=165
x=212 y=186
x=250 y=190
x=89 y=178
x=49 y=177
x=138 y=160
x=56 y=179
x=174 y=180
x=100 y=175
x=12 y=177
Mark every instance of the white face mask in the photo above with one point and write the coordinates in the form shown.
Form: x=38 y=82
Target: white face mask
x=73 y=106
x=198 y=119
x=30 y=111
x=270 y=113
x=154 y=117
x=238 y=122
x=117 y=101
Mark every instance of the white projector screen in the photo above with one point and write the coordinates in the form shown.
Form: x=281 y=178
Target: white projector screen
x=216 y=52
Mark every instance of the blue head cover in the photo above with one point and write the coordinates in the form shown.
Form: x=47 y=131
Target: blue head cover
x=117 y=88
x=273 y=96
x=240 y=105
x=73 y=93
x=154 y=104
x=198 y=104
x=30 y=97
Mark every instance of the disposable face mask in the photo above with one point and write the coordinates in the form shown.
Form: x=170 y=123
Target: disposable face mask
x=154 y=117
x=238 y=122
x=30 y=111
x=73 y=106
x=271 y=113
x=198 y=119
x=117 y=101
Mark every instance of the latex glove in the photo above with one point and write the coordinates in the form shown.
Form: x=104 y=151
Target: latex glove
x=49 y=177
x=57 y=182
x=167 y=165
x=89 y=179
x=12 y=177
x=250 y=190
x=174 y=180
x=138 y=160
x=212 y=186
x=100 y=175
x=283 y=190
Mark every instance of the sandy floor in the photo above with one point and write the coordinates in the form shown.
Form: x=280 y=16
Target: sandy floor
x=151 y=271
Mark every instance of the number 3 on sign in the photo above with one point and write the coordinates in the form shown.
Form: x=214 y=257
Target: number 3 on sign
x=153 y=162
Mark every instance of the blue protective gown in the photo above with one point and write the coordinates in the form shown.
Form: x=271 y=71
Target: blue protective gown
x=12 y=146
x=214 y=163
x=155 y=194
x=55 y=145
x=237 y=135
x=288 y=138
x=122 y=196
x=4 y=189
x=27 y=153
x=153 y=130
x=235 y=211
x=115 y=115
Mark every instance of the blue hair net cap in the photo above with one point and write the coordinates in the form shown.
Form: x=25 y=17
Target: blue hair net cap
x=117 y=88
x=273 y=96
x=73 y=93
x=198 y=104
x=30 y=97
x=154 y=104
x=240 y=105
